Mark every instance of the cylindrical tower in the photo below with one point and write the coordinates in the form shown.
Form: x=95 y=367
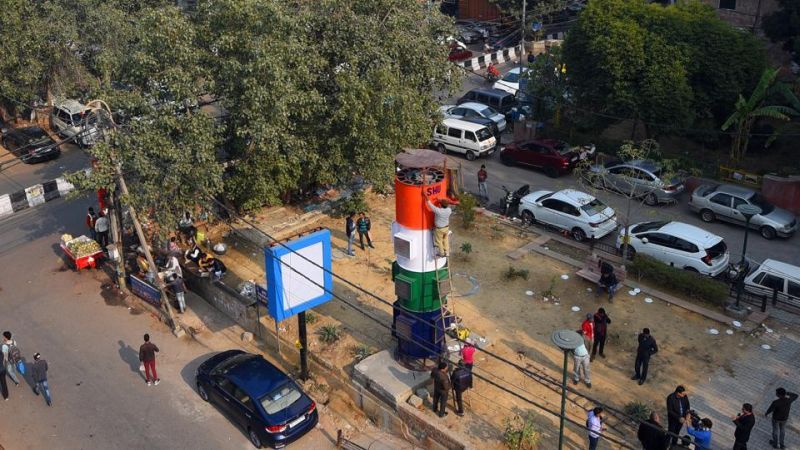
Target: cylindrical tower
x=419 y=322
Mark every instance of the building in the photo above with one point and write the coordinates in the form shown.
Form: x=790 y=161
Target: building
x=743 y=13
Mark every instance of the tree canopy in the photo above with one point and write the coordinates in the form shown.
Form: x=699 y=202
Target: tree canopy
x=783 y=25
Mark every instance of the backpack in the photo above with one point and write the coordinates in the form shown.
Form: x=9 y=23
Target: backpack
x=14 y=355
x=462 y=380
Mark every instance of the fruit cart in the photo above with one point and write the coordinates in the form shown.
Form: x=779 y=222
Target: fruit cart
x=82 y=251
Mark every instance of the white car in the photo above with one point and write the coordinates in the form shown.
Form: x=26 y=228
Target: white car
x=679 y=245
x=576 y=212
x=510 y=81
x=73 y=119
x=470 y=110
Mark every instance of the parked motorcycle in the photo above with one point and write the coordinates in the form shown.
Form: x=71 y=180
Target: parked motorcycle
x=512 y=200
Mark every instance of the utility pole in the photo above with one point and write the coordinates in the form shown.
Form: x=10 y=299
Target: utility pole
x=522 y=41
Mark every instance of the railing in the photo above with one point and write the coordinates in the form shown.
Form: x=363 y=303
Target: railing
x=762 y=296
x=343 y=444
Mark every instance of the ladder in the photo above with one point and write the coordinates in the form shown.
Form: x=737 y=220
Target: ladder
x=444 y=287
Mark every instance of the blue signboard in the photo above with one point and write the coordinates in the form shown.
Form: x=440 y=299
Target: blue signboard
x=299 y=274
x=536 y=26
x=146 y=291
x=261 y=295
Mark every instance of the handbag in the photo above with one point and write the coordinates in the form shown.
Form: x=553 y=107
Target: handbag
x=21 y=367
x=141 y=367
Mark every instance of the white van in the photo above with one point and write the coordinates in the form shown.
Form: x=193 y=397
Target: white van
x=67 y=119
x=471 y=139
x=771 y=275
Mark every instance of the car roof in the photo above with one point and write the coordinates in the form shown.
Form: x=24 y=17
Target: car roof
x=691 y=233
x=71 y=106
x=27 y=132
x=256 y=376
x=733 y=189
x=781 y=268
x=474 y=105
x=573 y=196
x=646 y=164
x=516 y=70
x=463 y=124
x=491 y=91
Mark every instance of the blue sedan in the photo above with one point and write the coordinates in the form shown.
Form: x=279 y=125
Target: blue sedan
x=261 y=399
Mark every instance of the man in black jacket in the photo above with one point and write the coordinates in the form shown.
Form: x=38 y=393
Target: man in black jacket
x=441 y=388
x=647 y=348
x=39 y=375
x=744 y=421
x=780 y=409
x=461 y=380
x=350 y=231
x=677 y=409
x=652 y=435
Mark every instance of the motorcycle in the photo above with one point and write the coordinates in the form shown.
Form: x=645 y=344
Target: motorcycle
x=512 y=199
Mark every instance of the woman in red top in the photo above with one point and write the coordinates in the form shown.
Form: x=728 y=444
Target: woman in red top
x=588 y=330
x=468 y=354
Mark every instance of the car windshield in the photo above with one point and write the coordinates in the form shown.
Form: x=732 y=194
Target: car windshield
x=562 y=148
x=758 y=200
x=511 y=77
x=231 y=362
x=488 y=112
x=483 y=134
x=280 y=398
x=35 y=137
x=647 y=226
x=594 y=207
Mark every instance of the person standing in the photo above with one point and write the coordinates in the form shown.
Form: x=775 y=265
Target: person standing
x=39 y=376
x=91 y=218
x=101 y=227
x=468 y=354
x=744 y=421
x=780 y=410
x=652 y=435
x=594 y=422
x=364 y=225
x=461 y=379
x=647 y=348
x=350 y=231
x=580 y=360
x=601 y=321
x=587 y=329
x=3 y=384
x=179 y=289
x=441 y=220
x=483 y=188
x=147 y=355
x=702 y=434
x=11 y=355
x=441 y=388
x=677 y=409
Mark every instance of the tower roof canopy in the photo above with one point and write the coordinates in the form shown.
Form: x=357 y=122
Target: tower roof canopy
x=421 y=158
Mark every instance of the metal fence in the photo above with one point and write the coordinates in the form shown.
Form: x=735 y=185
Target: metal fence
x=763 y=297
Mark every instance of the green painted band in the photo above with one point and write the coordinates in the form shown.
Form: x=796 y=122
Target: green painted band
x=418 y=291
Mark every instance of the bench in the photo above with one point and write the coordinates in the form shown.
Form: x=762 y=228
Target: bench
x=590 y=270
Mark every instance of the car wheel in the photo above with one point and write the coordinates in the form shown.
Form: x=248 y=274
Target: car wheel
x=470 y=155
x=690 y=269
x=707 y=215
x=650 y=199
x=202 y=392
x=551 y=172
x=442 y=149
x=254 y=439
x=768 y=232
x=527 y=217
x=578 y=234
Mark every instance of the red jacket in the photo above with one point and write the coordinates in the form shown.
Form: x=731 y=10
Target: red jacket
x=90 y=218
x=588 y=329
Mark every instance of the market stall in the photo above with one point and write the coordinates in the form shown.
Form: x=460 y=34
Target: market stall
x=82 y=251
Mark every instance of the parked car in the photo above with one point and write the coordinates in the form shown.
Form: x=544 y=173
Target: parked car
x=488 y=123
x=551 y=155
x=638 y=178
x=268 y=405
x=770 y=275
x=469 y=35
x=679 y=245
x=67 y=119
x=471 y=139
x=720 y=202
x=510 y=81
x=458 y=52
x=498 y=99
x=576 y=212
x=472 y=109
x=31 y=144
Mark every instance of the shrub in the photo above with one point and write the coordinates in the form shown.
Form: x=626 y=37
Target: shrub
x=328 y=334
x=356 y=203
x=513 y=273
x=521 y=434
x=466 y=208
x=360 y=351
x=638 y=410
x=551 y=288
x=691 y=284
x=311 y=317
x=466 y=248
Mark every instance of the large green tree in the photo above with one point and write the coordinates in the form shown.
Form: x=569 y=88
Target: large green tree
x=783 y=26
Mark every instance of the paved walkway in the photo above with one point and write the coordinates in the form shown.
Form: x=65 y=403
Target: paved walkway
x=753 y=379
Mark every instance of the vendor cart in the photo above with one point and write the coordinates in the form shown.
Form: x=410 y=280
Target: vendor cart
x=82 y=251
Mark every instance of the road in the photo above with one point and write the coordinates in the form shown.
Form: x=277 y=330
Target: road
x=758 y=248
x=20 y=176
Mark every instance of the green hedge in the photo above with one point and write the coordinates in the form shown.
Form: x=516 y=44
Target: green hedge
x=689 y=283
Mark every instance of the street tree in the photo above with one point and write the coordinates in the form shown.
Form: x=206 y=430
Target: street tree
x=547 y=85
x=783 y=25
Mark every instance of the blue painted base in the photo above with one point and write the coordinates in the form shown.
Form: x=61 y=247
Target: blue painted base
x=420 y=335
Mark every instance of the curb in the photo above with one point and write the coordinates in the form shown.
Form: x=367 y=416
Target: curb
x=34 y=196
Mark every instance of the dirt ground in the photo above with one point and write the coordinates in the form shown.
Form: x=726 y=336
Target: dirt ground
x=518 y=326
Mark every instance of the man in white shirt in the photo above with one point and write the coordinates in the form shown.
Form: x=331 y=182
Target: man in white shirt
x=101 y=227
x=580 y=358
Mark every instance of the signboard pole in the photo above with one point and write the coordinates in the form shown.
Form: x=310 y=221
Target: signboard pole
x=278 y=341
x=301 y=326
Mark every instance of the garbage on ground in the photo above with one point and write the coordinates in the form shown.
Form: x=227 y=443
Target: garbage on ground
x=247 y=289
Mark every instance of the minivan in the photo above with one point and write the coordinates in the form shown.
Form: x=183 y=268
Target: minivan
x=498 y=99
x=67 y=119
x=471 y=139
x=771 y=275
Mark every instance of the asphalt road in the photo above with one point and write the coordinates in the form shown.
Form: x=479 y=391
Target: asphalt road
x=758 y=248
x=14 y=177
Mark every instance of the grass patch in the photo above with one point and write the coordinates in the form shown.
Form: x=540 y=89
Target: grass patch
x=521 y=434
x=512 y=274
x=329 y=334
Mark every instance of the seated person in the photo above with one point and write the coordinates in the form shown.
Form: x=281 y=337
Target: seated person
x=608 y=280
x=172 y=246
x=212 y=265
x=194 y=253
x=172 y=267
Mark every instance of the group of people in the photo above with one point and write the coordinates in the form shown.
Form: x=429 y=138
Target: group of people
x=444 y=381
x=13 y=365
x=363 y=226
x=594 y=330
x=98 y=226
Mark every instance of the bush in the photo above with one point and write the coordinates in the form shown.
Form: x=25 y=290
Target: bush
x=311 y=317
x=466 y=208
x=328 y=334
x=521 y=434
x=356 y=203
x=638 y=410
x=466 y=248
x=360 y=351
x=513 y=273
x=691 y=284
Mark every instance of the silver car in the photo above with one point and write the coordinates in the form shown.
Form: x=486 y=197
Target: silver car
x=469 y=110
x=638 y=178
x=720 y=202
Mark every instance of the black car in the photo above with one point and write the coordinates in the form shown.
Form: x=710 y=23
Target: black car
x=268 y=405
x=498 y=99
x=31 y=144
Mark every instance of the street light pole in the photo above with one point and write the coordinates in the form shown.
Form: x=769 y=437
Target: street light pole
x=748 y=211
x=567 y=341
x=522 y=37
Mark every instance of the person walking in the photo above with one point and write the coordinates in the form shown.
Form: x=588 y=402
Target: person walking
x=780 y=410
x=364 y=225
x=350 y=231
x=744 y=421
x=441 y=388
x=468 y=354
x=147 y=355
x=91 y=218
x=647 y=348
x=461 y=379
x=11 y=355
x=483 y=188
x=101 y=227
x=3 y=384
x=601 y=321
x=580 y=360
x=441 y=220
x=587 y=329
x=677 y=410
x=39 y=376
x=594 y=422
x=652 y=435
x=179 y=289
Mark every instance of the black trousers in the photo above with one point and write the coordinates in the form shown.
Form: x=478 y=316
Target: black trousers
x=599 y=344
x=102 y=239
x=459 y=401
x=439 y=402
x=739 y=445
x=361 y=239
x=3 y=384
x=641 y=366
x=674 y=427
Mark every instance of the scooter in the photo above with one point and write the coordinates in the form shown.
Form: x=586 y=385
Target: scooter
x=513 y=198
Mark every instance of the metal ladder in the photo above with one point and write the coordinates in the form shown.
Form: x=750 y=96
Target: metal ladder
x=444 y=287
